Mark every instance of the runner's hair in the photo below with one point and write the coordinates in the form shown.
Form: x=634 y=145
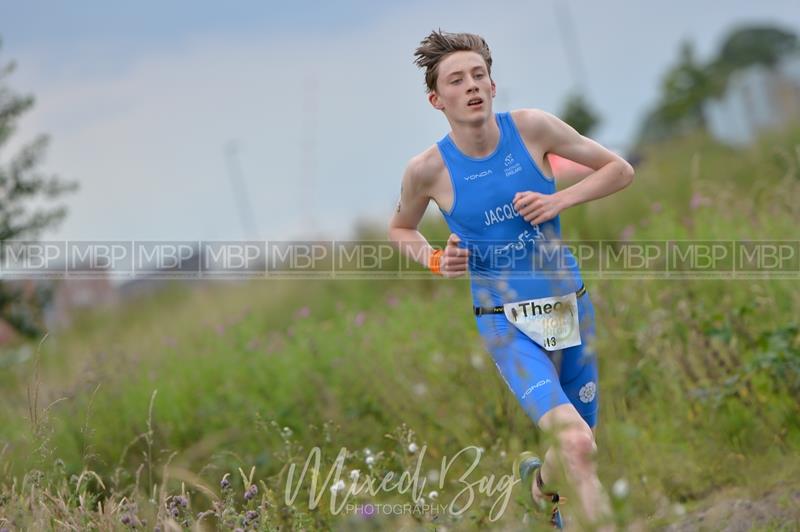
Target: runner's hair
x=439 y=44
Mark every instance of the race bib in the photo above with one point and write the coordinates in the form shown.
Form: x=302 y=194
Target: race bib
x=551 y=322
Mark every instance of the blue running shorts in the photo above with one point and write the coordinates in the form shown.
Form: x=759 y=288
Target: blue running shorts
x=541 y=379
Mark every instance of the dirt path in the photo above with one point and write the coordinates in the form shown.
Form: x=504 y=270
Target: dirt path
x=734 y=511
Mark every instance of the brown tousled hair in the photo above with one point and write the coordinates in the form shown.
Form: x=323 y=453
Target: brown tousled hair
x=433 y=48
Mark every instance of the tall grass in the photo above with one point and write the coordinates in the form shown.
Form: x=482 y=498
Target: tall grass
x=169 y=410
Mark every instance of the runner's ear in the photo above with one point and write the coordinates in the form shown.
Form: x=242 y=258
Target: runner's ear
x=434 y=99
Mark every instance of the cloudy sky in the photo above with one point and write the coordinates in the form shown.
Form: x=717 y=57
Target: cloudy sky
x=320 y=99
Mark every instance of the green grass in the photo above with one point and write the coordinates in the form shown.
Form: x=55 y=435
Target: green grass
x=699 y=379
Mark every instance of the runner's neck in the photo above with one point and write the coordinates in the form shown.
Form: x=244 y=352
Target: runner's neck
x=477 y=141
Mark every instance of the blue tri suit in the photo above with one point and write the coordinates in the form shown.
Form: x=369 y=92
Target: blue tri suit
x=512 y=260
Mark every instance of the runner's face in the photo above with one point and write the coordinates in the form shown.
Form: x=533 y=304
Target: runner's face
x=464 y=90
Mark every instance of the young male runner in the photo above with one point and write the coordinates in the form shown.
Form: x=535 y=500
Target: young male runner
x=492 y=181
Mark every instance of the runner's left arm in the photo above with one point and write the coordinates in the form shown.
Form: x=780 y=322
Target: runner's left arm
x=611 y=172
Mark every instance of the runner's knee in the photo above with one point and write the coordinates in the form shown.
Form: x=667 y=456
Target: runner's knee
x=577 y=446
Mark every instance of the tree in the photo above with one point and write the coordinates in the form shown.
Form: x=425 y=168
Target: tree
x=21 y=183
x=688 y=85
x=579 y=114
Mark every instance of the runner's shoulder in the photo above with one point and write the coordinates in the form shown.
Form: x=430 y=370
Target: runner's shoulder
x=532 y=122
x=425 y=167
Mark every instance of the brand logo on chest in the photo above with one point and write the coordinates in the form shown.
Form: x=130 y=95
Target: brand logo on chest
x=511 y=166
x=473 y=177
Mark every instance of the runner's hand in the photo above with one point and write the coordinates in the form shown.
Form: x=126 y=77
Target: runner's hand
x=454 y=259
x=537 y=208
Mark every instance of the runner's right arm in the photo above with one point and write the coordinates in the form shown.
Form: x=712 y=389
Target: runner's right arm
x=414 y=199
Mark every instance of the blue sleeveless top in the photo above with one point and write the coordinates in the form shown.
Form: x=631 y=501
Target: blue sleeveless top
x=510 y=259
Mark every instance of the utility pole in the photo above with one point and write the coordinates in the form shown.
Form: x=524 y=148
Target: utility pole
x=569 y=39
x=239 y=189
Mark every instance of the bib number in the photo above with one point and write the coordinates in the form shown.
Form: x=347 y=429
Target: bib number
x=551 y=322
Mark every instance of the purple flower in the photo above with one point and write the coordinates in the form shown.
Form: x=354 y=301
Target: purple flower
x=698 y=200
x=251 y=492
x=627 y=233
x=303 y=312
x=359 y=319
x=366 y=511
x=225 y=483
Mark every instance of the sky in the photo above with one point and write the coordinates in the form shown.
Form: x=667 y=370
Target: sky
x=173 y=115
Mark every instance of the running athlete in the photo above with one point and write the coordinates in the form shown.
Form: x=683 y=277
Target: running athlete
x=492 y=181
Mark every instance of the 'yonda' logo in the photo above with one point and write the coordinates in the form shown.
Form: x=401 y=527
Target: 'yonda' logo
x=473 y=177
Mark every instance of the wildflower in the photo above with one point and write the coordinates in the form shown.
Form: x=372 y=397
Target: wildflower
x=181 y=501
x=354 y=474
x=627 y=232
x=367 y=451
x=359 y=319
x=287 y=431
x=251 y=515
x=370 y=460
x=303 y=312
x=620 y=488
x=225 y=483
x=698 y=200
x=338 y=486
x=433 y=495
x=433 y=476
x=412 y=447
x=251 y=492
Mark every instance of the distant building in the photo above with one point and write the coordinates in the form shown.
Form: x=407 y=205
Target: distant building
x=756 y=98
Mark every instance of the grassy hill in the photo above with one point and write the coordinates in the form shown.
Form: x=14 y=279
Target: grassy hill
x=168 y=409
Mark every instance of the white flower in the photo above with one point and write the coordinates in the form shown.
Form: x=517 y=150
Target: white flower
x=420 y=501
x=412 y=447
x=354 y=474
x=287 y=431
x=620 y=488
x=370 y=460
x=338 y=486
x=433 y=475
x=587 y=392
x=433 y=495
x=367 y=451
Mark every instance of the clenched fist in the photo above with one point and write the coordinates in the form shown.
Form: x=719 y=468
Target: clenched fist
x=537 y=208
x=454 y=259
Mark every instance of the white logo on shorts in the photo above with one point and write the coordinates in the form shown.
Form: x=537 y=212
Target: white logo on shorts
x=587 y=392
